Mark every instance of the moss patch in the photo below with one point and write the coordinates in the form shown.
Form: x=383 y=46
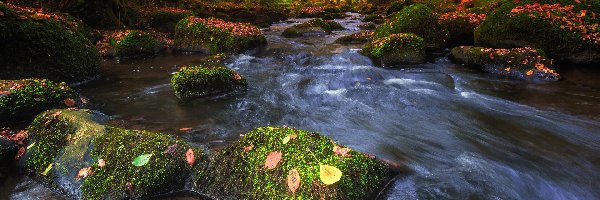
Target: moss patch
x=23 y=99
x=39 y=44
x=418 y=19
x=356 y=38
x=137 y=43
x=314 y=26
x=396 y=49
x=201 y=81
x=214 y=35
x=238 y=171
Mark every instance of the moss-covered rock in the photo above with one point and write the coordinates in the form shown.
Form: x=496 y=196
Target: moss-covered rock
x=7 y=151
x=372 y=18
x=313 y=27
x=239 y=171
x=561 y=30
x=418 y=19
x=367 y=26
x=165 y=19
x=202 y=81
x=23 y=99
x=356 y=38
x=461 y=27
x=137 y=43
x=396 y=49
x=214 y=35
x=519 y=63
x=48 y=45
x=73 y=152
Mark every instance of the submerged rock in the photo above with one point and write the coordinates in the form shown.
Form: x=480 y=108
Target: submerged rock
x=396 y=49
x=312 y=27
x=46 y=45
x=137 y=43
x=214 y=36
x=23 y=99
x=202 y=81
x=519 y=63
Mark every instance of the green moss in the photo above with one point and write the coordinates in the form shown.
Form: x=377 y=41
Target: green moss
x=29 y=97
x=314 y=25
x=395 y=7
x=213 y=35
x=137 y=43
x=166 y=171
x=44 y=45
x=372 y=17
x=417 y=19
x=200 y=81
x=356 y=38
x=397 y=49
x=240 y=174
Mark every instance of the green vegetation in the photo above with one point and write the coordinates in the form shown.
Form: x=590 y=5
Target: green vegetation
x=238 y=170
x=137 y=43
x=23 y=99
x=417 y=19
x=356 y=38
x=397 y=49
x=313 y=26
x=48 y=45
x=201 y=81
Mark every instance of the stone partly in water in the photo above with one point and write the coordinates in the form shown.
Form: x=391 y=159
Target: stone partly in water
x=213 y=35
x=312 y=27
x=519 y=63
x=268 y=163
x=203 y=81
x=564 y=31
x=45 y=45
x=356 y=38
x=137 y=43
x=23 y=99
x=396 y=50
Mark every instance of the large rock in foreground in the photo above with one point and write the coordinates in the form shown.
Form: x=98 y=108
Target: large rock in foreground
x=312 y=27
x=519 y=63
x=286 y=163
x=214 y=36
x=396 y=50
x=44 y=45
x=203 y=81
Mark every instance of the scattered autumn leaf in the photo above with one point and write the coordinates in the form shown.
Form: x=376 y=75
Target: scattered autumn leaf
x=507 y=69
x=344 y=152
x=293 y=136
x=31 y=145
x=272 y=159
x=329 y=174
x=20 y=153
x=101 y=163
x=248 y=148
x=56 y=114
x=69 y=102
x=141 y=160
x=293 y=180
x=45 y=173
x=286 y=139
x=529 y=73
x=84 y=172
x=185 y=129
x=189 y=156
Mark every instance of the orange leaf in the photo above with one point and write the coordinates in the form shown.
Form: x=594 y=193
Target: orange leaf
x=20 y=153
x=248 y=148
x=69 y=102
x=85 y=172
x=101 y=163
x=507 y=69
x=293 y=180
x=344 y=152
x=189 y=156
x=529 y=73
x=272 y=159
x=185 y=129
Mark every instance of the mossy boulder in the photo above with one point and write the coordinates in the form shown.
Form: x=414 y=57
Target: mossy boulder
x=372 y=18
x=239 y=172
x=77 y=155
x=461 y=27
x=202 y=81
x=396 y=50
x=44 y=45
x=356 y=38
x=518 y=63
x=23 y=99
x=561 y=30
x=313 y=27
x=418 y=19
x=367 y=26
x=137 y=43
x=165 y=19
x=214 y=36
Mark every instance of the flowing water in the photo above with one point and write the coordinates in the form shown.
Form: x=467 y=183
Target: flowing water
x=461 y=133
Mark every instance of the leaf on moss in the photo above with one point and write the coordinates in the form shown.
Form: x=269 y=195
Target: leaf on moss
x=189 y=157
x=101 y=163
x=272 y=159
x=248 y=148
x=293 y=180
x=286 y=139
x=329 y=174
x=141 y=160
x=344 y=152
x=31 y=145
x=69 y=102
x=185 y=129
x=84 y=172
x=45 y=173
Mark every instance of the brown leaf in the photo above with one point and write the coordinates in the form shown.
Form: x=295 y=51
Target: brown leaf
x=189 y=157
x=185 y=129
x=129 y=187
x=293 y=180
x=69 y=102
x=293 y=136
x=101 y=163
x=56 y=114
x=272 y=159
x=248 y=148
x=85 y=172
x=20 y=153
x=344 y=152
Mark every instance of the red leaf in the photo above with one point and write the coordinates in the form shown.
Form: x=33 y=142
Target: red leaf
x=185 y=129
x=293 y=180
x=248 y=148
x=69 y=102
x=189 y=157
x=85 y=172
x=20 y=153
x=344 y=152
x=273 y=159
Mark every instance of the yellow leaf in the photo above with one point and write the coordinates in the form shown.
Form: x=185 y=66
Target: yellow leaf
x=286 y=139
x=330 y=174
x=45 y=173
x=529 y=73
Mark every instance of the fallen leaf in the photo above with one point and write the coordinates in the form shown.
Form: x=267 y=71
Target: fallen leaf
x=529 y=73
x=272 y=160
x=293 y=136
x=185 y=129
x=286 y=139
x=56 y=114
x=248 y=148
x=344 y=152
x=129 y=187
x=31 y=145
x=507 y=69
x=141 y=160
x=172 y=149
x=189 y=157
x=293 y=180
x=20 y=153
x=329 y=174
x=69 y=102
x=101 y=163
x=45 y=173
x=84 y=172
